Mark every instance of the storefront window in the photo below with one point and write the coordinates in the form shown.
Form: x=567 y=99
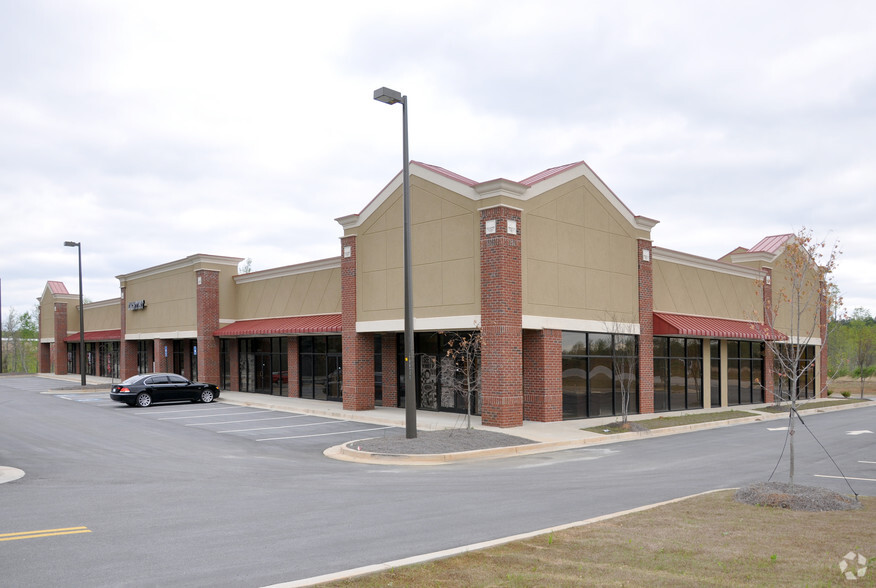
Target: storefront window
x=263 y=365
x=441 y=384
x=805 y=372
x=678 y=373
x=320 y=363
x=744 y=372
x=145 y=350
x=597 y=369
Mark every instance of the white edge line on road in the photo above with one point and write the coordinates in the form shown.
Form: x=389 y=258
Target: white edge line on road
x=324 y=434
x=846 y=478
x=473 y=547
x=291 y=416
x=866 y=461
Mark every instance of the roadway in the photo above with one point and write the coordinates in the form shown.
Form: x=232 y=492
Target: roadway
x=197 y=495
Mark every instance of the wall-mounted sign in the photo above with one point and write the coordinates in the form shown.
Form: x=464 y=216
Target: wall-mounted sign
x=137 y=305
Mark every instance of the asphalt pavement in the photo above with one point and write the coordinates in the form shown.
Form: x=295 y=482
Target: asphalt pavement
x=115 y=495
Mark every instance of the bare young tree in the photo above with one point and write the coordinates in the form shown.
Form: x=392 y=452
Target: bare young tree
x=464 y=349
x=625 y=362
x=803 y=274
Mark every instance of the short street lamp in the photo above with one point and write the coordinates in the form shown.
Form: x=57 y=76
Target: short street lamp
x=81 y=313
x=392 y=97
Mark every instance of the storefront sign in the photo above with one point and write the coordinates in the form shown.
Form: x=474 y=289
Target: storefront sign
x=137 y=305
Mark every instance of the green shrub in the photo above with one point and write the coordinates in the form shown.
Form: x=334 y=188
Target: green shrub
x=829 y=392
x=846 y=394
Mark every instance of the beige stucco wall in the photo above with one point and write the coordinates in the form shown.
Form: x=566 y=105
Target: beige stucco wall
x=797 y=317
x=685 y=289
x=170 y=303
x=100 y=316
x=170 y=294
x=47 y=316
x=445 y=255
x=579 y=256
x=299 y=294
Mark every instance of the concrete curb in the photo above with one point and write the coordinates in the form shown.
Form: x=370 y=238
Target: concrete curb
x=382 y=567
x=343 y=452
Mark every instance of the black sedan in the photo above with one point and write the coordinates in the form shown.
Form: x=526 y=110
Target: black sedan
x=145 y=389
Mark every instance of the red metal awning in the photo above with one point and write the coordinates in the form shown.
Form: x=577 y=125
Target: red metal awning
x=290 y=325
x=92 y=336
x=714 y=328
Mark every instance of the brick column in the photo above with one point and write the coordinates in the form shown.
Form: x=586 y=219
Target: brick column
x=769 y=320
x=234 y=364
x=294 y=384
x=501 y=317
x=358 y=349
x=45 y=358
x=127 y=349
x=543 y=375
x=646 y=328
x=390 y=370
x=61 y=332
x=207 y=296
x=162 y=363
x=822 y=327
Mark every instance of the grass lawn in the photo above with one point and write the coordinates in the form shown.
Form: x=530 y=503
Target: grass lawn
x=670 y=421
x=810 y=404
x=709 y=540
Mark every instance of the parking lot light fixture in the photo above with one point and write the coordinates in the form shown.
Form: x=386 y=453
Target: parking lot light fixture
x=388 y=96
x=78 y=246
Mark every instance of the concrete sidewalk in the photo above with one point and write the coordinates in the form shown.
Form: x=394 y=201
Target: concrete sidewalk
x=547 y=436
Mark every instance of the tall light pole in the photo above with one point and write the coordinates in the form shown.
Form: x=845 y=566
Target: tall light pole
x=81 y=313
x=392 y=97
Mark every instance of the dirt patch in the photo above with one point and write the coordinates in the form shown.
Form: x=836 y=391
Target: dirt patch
x=796 y=497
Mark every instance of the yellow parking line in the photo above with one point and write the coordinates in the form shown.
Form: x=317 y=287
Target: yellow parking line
x=43 y=533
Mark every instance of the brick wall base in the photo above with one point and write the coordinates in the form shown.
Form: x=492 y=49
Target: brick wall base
x=542 y=375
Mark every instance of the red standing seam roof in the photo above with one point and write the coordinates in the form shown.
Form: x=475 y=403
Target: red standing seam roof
x=770 y=244
x=714 y=328
x=57 y=287
x=543 y=175
x=447 y=173
x=92 y=336
x=291 y=325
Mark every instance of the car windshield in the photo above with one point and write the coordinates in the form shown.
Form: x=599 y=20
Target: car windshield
x=131 y=380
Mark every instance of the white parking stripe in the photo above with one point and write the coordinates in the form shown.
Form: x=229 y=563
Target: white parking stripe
x=191 y=408
x=205 y=416
x=867 y=462
x=282 y=427
x=324 y=434
x=291 y=416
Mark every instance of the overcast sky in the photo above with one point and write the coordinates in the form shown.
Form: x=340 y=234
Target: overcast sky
x=150 y=131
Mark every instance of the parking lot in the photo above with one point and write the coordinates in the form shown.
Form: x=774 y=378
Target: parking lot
x=256 y=424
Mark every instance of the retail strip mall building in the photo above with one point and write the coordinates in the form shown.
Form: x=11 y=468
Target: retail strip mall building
x=559 y=277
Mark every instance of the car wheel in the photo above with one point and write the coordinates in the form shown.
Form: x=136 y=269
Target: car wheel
x=143 y=399
x=206 y=396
